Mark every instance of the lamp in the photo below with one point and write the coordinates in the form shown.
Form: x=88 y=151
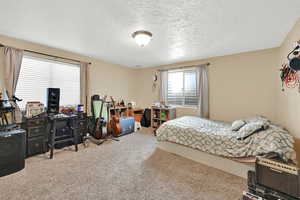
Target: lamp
x=142 y=38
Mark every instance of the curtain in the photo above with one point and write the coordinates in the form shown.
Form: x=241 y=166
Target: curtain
x=12 y=64
x=203 y=91
x=83 y=84
x=163 y=86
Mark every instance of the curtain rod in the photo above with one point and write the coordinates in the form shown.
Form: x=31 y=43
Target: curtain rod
x=206 y=64
x=44 y=54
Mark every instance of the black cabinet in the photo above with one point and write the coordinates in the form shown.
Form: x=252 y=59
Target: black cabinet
x=37 y=135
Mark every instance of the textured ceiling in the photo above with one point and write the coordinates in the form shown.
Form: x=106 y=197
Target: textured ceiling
x=182 y=29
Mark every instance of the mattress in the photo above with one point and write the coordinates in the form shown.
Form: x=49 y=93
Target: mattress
x=217 y=138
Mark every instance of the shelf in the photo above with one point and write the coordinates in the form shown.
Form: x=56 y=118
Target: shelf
x=161 y=115
x=161 y=119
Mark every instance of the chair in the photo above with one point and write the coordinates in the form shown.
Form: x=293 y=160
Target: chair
x=146 y=119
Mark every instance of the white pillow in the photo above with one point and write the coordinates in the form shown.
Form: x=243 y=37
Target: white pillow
x=265 y=121
x=237 y=124
x=249 y=129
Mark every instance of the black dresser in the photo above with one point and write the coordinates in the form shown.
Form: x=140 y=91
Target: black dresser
x=37 y=135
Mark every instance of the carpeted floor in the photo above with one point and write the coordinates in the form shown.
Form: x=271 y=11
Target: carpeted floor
x=132 y=169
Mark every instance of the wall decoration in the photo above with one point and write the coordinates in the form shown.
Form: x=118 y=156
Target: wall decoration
x=289 y=77
x=155 y=79
x=290 y=72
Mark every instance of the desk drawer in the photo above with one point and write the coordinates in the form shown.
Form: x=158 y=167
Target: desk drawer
x=35 y=146
x=36 y=122
x=36 y=131
x=81 y=124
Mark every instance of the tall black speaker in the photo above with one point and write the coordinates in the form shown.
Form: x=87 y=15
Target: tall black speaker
x=53 y=96
x=12 y=151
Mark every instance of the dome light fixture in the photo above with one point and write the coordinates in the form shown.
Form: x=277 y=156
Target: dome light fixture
x=142 y=38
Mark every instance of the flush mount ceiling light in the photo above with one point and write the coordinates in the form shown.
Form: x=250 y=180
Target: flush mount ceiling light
x=142 y=38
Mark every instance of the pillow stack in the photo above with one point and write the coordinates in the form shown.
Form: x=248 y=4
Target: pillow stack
x=237 y=124
x=265 y=121
x=246 y=128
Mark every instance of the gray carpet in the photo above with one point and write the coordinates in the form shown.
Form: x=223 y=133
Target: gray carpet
x=130 y=169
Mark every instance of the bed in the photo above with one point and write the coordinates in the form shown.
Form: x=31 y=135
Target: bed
x=218 y=138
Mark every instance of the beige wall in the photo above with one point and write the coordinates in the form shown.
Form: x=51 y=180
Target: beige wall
x=103 y=77
x=240 y=85
x=288 y=102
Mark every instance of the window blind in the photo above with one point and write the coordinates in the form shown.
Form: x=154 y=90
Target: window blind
x=182 y=88
x=38 y=74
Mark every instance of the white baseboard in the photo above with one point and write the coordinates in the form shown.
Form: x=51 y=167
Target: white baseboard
x=224 y=164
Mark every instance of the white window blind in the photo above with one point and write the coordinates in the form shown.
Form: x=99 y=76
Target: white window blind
x=38 y=74
x=182 y=88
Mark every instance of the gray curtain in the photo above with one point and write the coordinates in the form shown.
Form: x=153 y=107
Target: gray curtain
x=83 y=84
x=163 y=86
x=12 y=64
x=203 y=91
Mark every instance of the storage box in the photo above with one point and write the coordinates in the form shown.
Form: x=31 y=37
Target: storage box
x=127 y=124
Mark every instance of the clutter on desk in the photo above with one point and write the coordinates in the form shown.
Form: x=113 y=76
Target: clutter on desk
x=80 y=108
x=68 y=110
x=34 y=108
x=131 y=105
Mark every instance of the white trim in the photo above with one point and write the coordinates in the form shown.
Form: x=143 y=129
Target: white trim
x=224 y=164
x=181 y=106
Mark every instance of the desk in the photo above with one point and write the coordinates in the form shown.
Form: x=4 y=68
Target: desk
x=118 y=109
x=138 y=110
x=125 y=111
x=63 y=136
x=39 y=132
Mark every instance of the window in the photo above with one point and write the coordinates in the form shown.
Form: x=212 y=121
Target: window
x=182 y=88
x=38 y=74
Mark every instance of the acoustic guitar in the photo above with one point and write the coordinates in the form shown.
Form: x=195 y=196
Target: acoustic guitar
x=98 y=130
x=115 y=121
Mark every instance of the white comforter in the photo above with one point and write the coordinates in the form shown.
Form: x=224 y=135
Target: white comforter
x=217 y=138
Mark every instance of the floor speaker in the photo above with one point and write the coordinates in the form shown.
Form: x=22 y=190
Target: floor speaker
x=53 y=96
x=12 y=151
x=278 y=176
